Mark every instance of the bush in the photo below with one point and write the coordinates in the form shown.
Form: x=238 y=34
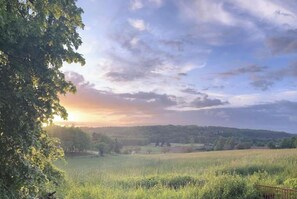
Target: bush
x=291 y=183
x=228 y=187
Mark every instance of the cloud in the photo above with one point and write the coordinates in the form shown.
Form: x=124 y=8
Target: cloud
x=139 y=4
x=262 y=83
x=261 y=77
x=249 y=69
x=266 y=80
x=191 y=91
x=124 y=69
x=271 y=12
x=157 y=3
x=275 y=116
x=136 y=4
x=163 y=99
x=143 y=108
x=124 y=76
x=138 y=24
x=283 y=43
x=202 y=11
x=137 y=55
x=220 y=22
x=267 y=116
x=226 y=26
x=176 y=44
x=90 y=99
x=205 y=102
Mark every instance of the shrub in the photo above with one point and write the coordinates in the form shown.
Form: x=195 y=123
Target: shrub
x=228 y=187
x=291 y=183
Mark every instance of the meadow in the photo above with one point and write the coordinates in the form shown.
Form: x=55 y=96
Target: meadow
x=207 y=175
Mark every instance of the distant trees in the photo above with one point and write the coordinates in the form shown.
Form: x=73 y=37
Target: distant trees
x=165 y=135
x=271 y=145
x=286 y=143
x=289 y=143
x=104 y=144
x=219 y=144
x=243 y=145
x=223 y=143
x=72 y=139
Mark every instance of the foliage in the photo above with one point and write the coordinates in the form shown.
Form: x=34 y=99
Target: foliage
x=286 y=143
x=102 y=148
x=291 y=183
x=105 y=144
x=36 y=38
x=165 y=135
x=271 y=145
x=228 y=187
x=219 y=144
x=73 y=139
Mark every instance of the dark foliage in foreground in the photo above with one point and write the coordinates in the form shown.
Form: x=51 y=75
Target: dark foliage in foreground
x=36 y=38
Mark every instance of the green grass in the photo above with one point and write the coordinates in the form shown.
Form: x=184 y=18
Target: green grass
x=151 y=148
x=210 y=175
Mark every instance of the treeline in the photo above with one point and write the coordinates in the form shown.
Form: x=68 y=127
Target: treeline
x=230 y=144
x=104 y=144
x=72 y=139
x=75 y=140
x=286 y=143
x=208 y=135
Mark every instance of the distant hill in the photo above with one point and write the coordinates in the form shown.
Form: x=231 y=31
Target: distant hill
x=142 y=135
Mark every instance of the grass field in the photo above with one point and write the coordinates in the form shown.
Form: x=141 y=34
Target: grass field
x=224 y=174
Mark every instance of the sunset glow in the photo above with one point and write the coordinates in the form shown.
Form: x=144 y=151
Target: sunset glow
x=176 y=62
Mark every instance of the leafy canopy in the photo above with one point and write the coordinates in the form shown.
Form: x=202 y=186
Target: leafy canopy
x=37 y=36
x=73 y=139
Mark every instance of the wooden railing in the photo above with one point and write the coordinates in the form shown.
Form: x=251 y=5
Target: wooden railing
x=270 y=192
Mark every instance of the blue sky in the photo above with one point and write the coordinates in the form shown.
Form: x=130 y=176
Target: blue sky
x=218 y=62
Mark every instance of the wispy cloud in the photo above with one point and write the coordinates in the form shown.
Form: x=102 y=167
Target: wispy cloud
x=187 y=61
x=266 y=80
x=284 y=43
x=109 y=108
x=249 y=69
x=191 y=91
x=138 y=24
x=205 y=102
x=136 y=4
x=272 y=12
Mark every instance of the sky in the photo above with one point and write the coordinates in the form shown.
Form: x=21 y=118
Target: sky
x=186 y=62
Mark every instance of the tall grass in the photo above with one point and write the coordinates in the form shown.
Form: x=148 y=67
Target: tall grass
x=225 y=174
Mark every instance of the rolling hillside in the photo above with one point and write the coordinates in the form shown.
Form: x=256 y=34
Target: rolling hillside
x=141 y=135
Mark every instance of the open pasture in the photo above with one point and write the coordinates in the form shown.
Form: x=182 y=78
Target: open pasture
x=227 y=174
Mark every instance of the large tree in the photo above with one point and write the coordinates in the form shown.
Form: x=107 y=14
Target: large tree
x=36 y=37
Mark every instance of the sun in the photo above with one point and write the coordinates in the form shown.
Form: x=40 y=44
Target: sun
x=73 y=116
